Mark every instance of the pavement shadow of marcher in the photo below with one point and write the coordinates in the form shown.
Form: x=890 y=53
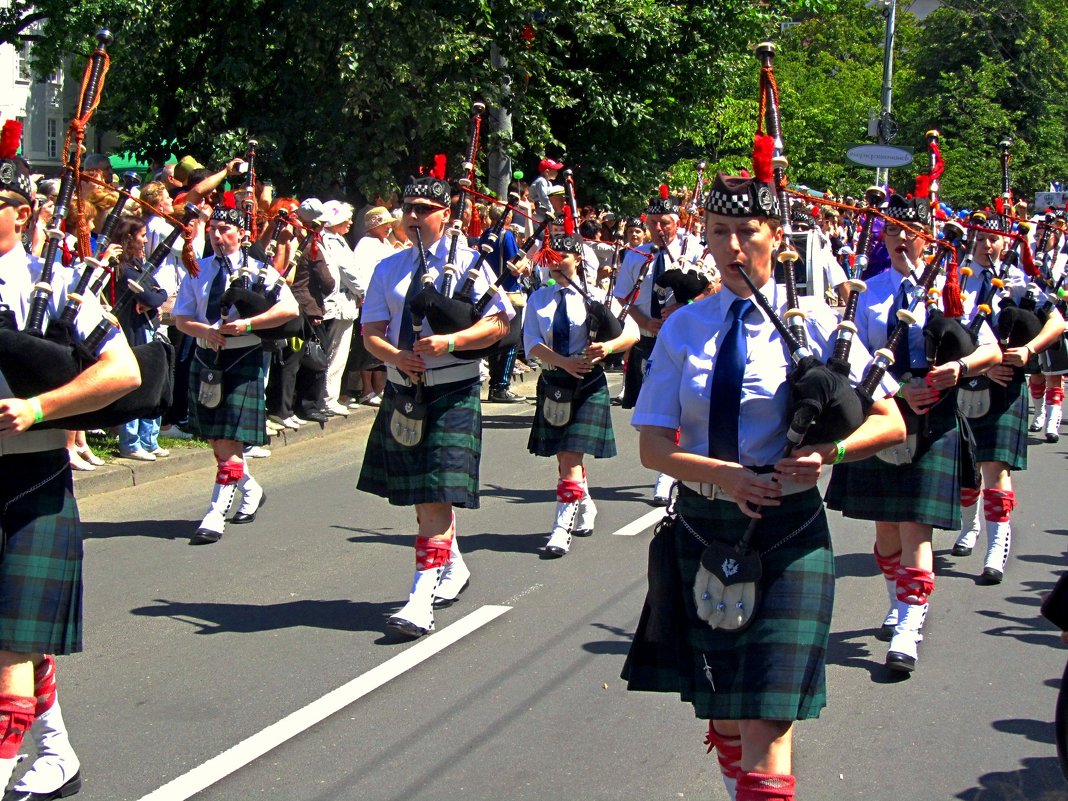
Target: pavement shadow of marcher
x=1029 y=628
x=157 y=529
x=506 y=422
x=221 y=618
x=617 y=647
x=499 y=542
x=1039 y=779
x=855 y=565
x=851 y=649
x=1037 y=731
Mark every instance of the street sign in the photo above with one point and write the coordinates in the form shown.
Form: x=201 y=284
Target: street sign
x=879 y=155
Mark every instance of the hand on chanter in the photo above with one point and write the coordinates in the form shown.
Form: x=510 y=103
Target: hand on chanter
x=805 y=465
x=1000 y=374
x=411 y=364
x=748 y=489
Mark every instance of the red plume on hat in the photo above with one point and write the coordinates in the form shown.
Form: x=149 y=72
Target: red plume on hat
x=665 y=193
x=438 y=170
x=10 y=139
x=763 y=148
x=229 y=200
x=569 y=218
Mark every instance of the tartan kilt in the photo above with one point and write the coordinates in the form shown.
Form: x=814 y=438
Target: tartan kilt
x=1054 y=359
x=775 y=669
x=634 y=376
x=40 y=556
x=443 y=468
x=242 y=414
x=926 y=491
x=1001 y=434
x=590 y=429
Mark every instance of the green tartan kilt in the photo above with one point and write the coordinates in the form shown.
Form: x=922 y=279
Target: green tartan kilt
x=41 y=556
x=775 y=669
x=242 y=414
x=590 y=429
x=926 y=491
x=1001 y=434
x=443 y=468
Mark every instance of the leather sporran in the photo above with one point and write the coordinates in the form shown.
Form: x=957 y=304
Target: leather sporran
x=558 y=399
x=727 y=588
x=973 y=397
x=407 y=423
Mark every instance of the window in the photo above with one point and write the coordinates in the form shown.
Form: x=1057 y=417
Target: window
x=51 y=130
x=22 y=63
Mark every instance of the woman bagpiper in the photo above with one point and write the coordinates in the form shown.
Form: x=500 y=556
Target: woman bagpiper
x=1001 y=429
x=719 y=374
x=557 y=330
x=908 y=492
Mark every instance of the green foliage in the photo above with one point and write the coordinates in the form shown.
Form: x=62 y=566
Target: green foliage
x=349 y=98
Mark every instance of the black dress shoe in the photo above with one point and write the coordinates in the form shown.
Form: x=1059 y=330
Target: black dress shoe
x=240 y=518
x=205 y=536
x=72 y=786
x=992 y=575
x=315 y=417
x=505 y=396
x=899 y=662
x=961 y=550
x=885 y=633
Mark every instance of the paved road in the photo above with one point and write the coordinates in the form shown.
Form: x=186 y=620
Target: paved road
x=191 y=651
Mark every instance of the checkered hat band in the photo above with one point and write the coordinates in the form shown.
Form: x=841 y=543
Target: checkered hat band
x=12 y=179
x=905 y=214
x=730 y=204
x=232 y=216
x=438 y=192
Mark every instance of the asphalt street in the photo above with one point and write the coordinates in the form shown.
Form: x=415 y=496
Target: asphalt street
x=191 y=651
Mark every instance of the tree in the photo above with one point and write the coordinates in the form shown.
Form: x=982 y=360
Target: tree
x=347 y=97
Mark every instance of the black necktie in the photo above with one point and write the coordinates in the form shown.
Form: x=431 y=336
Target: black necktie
x=407 y=329
x=562 y=327
x=658 y=270
x=984 y=288
x=726 y=392
x=902 y=356
x=218 y=287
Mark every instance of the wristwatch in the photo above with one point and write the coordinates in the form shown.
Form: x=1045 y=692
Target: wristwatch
x=963 y=368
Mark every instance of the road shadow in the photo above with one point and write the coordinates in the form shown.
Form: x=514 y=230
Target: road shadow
x=853 y=649
x=1039 y=779
x=855 y=565
x=1037 y=731
x=498 y=542
x=222 y=618
x=156 y=529
x=506 y=422
x=617 y=647
x=1031 y=628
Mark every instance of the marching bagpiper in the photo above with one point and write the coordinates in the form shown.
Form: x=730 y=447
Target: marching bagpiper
x=562 y=328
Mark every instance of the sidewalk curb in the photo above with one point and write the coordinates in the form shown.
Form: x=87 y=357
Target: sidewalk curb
x=124 y=473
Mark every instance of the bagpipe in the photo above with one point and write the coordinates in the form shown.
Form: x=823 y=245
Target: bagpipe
x=686 y=282
x=247 y=296
x=47 y=354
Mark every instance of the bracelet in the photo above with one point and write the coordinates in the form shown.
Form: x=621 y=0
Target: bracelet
x=963 y=368
x=452 y=343
x=38 y=412
x=608 y=350
x=840 y=452
x=248 y=326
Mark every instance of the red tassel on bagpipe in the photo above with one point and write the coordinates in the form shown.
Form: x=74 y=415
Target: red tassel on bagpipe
x=952 y=306
x=569 y=220
x=940 y=163
x=1027 y=261
x=763 y=149
x=10 y=139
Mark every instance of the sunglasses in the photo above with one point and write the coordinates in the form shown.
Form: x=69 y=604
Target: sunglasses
x=420 y=209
